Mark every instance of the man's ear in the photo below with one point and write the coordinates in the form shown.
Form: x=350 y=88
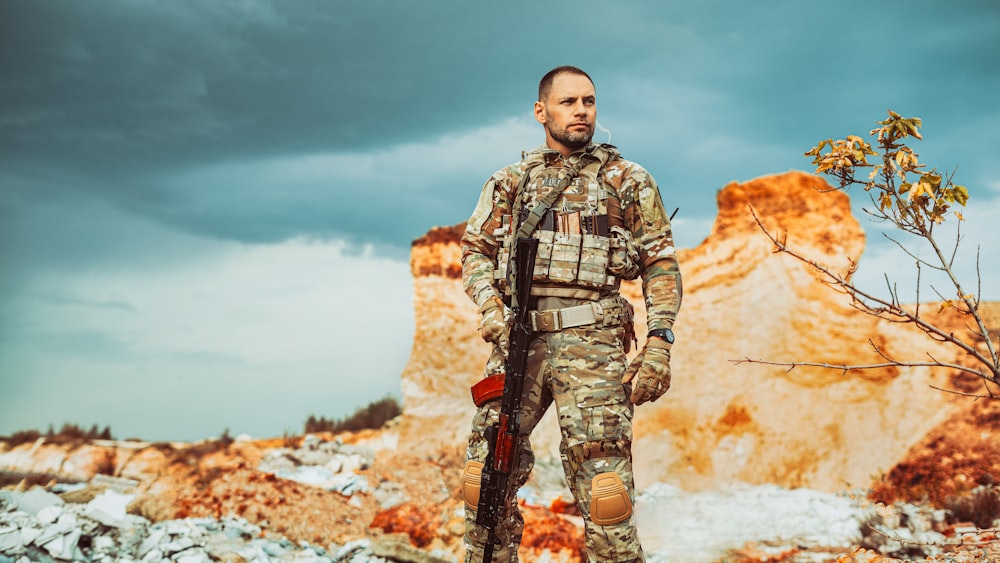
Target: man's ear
x=540 y=112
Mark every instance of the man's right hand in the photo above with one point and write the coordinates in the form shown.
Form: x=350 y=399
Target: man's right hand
x=493 y=323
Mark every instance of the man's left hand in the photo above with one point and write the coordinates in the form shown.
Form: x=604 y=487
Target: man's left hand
x=651 y=372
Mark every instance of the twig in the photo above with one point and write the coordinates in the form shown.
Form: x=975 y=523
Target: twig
x=945 y=544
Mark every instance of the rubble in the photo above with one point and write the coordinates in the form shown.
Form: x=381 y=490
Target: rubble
x=38 y=526
x=332 y=465
x=91 y=521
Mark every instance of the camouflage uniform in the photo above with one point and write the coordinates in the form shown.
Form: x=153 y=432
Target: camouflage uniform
x=608 y=224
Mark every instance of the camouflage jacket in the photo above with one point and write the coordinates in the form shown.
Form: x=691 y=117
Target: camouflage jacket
x=626 y=183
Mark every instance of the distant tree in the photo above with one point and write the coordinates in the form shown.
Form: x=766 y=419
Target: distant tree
x=69 y=432
x=373 y=415
x=917 y=202
x=22 y=437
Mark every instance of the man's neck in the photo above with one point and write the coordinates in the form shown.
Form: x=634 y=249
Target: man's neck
x=567 y=152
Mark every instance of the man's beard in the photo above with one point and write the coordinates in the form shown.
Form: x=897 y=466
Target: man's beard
x=570 y=140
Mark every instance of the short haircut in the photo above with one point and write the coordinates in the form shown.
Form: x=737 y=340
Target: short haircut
x=545 y=84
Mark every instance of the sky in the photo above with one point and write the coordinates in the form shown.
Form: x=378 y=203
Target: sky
x=206 y=208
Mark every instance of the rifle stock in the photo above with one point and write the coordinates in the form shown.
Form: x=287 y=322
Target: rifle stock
x=504 y=436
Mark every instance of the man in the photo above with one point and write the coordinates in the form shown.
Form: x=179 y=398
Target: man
x=606 y=225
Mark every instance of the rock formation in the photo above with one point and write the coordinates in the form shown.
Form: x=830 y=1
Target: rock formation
x=722 y=422
x=392 y=492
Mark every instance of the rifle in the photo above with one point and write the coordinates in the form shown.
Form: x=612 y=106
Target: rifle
x=504 y=436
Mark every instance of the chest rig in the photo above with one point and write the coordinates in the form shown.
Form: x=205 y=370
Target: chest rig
x=583 y=249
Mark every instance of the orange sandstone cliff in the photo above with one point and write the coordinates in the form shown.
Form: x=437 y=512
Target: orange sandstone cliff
x=721 y=422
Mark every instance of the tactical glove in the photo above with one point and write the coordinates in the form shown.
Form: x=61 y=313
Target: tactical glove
x=651 y=372
x=493 y=323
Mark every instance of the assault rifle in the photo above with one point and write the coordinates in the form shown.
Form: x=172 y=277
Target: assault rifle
x=504 y=436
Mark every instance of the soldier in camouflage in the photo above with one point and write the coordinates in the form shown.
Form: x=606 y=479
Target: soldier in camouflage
x=608 y=224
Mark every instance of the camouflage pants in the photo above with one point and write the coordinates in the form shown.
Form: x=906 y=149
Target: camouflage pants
x=578 y=369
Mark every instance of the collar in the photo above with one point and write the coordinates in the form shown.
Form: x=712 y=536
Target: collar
x=551 y=157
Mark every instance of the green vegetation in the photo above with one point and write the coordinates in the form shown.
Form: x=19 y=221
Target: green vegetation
x=374 y=415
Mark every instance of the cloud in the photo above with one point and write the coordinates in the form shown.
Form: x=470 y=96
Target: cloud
x=388 y=195
x=260 y=336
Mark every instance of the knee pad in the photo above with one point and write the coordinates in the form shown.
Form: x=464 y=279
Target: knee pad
x=609 y=501
x=471 y=482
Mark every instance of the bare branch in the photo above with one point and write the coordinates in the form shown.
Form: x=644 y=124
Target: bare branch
x=954 y=392
x=916 y=258
x=886 y=310
x=849 y=367
x=948 y=543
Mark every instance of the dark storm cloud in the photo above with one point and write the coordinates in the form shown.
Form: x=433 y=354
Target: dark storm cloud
x=121 y=94
x=124 y=86
x=132 y=101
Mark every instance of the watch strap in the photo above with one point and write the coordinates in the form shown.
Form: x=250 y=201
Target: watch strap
x=664 y=333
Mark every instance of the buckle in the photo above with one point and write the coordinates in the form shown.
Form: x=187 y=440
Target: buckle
x=549 y=321
x=546 y=321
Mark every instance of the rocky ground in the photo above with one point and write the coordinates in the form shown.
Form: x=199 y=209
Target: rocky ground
x=318 y=498
x=356 y=497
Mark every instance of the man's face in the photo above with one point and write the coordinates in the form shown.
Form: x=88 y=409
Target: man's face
x=569 y=113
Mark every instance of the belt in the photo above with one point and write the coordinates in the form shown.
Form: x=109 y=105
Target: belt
x=594 y=312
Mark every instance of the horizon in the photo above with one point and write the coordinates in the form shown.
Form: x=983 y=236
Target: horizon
x=206 y=210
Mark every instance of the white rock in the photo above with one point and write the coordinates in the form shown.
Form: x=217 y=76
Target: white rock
x=54 y=546
x=152 y=540
x=70 y=541
x=29 y=535
x=35 y=499
x=10 y=539
x=52 y=532
x=103 y=543
x=108 y=508
x=194 y=556
x=49 y=514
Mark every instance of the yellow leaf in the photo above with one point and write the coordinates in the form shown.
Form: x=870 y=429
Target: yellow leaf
x=885 y=202
x=961 y=195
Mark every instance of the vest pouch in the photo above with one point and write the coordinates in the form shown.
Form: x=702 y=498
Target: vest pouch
x=623 y=260
x=543 y=255
x=565 y=261
x=503 y=259
x=594 y=261
x=503 y=254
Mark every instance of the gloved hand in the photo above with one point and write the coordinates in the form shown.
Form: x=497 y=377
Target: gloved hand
x=493 y=323
x=651 y=372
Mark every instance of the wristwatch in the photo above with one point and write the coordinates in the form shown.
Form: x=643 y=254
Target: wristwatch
x=664 y=333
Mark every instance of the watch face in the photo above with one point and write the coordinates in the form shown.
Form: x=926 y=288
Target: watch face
x=668 y=335
x=664 y=333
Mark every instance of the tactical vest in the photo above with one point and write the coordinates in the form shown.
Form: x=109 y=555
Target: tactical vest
x=584 y=250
